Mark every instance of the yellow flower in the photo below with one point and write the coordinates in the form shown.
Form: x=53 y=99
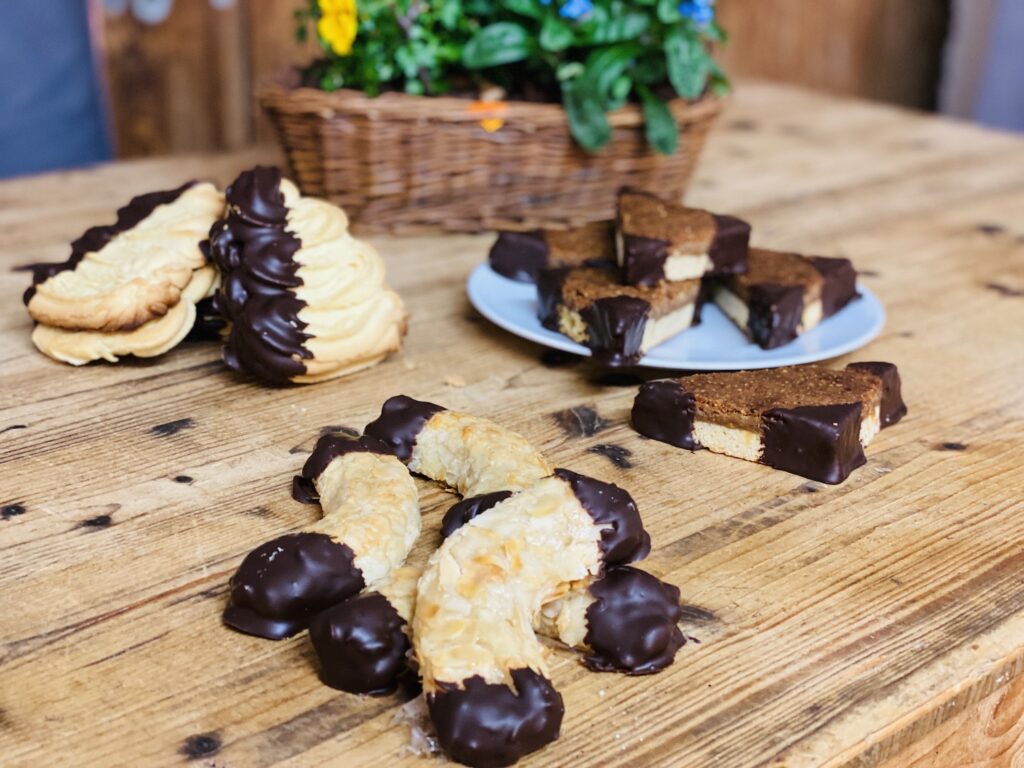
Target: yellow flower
x=338 y=24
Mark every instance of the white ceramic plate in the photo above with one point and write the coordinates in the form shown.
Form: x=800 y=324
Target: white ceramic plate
x=714 y=345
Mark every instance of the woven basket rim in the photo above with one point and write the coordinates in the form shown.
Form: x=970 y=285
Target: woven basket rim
x=280 y=94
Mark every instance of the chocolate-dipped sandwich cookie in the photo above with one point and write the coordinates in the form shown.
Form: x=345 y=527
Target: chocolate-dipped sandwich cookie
x=129 y=288
x=659 y=240
x=618 y=323
x=522 y=255
x=808 y=420
x=785 y=294
x=306 y=301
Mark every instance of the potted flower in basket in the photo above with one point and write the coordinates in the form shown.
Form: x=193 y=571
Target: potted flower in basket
x=473 y=114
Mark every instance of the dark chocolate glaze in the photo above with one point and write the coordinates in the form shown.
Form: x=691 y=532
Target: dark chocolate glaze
x=95 y=238
x=487 y=725
x=728 y=250
x=400 y=422
x=283 y=583
x=462 y=512
x=840 y=286
x=254 y=251
x=643 y=259
x=664 y=410
x=892 y=408
x=632 y=623
x=209 y=324
x=775 y=313
x=361 y=645
x=519 y=255
x=549 y=296
x=615 y=329
x=327 y=449
x=623 y=539
x=819 y=442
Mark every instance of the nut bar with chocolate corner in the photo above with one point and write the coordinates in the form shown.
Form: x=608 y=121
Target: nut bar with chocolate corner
x=660 y=240
x=785 y=294
x=522 y=255
x=808 y=420
x=619 y=323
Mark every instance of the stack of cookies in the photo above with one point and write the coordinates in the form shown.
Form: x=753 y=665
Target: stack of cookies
x=128 y=288
x=622 y=287
x=295 y=296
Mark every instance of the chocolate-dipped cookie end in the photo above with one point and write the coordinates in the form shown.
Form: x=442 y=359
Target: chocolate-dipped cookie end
x=623 y=537
x=283 y=583
x=488 y=725
x=361 y=645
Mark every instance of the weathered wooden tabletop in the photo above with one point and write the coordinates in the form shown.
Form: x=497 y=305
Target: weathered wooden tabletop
x=836 y=625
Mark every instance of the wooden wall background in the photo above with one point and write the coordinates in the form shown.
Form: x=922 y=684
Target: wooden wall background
x=185 y=85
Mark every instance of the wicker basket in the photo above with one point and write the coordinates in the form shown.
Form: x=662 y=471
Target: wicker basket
x=400 y=163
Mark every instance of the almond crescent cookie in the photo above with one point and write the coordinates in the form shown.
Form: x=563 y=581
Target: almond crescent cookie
x=152 y=338
x=306 y=300
x=371 y=520
x=128 y=273
x=483 y=669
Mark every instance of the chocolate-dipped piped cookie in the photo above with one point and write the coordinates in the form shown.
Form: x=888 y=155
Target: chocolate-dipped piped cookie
x=808 y=420
x=660 y=240
x=785 y=294
x=523 y=255
x=129 y=288
x=618 y=323
x=306 y=300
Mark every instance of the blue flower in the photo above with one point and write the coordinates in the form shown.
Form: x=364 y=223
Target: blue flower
x=575 y=9
x=702 y=12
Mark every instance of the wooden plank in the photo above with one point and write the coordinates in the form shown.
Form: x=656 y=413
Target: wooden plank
x=837 y=625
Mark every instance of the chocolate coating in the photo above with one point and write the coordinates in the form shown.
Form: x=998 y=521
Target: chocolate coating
x=664 y=410
x=819 y=442
x=624 y=539
x=892 y=407
x=840 y=286
x=728 y=251
x=283 y=583
x=255 y=252
x=519 y=255
x=400 y=422
x=615 y=329
x=775 y=313
x=486 y=725
x=549 y=295
x=327 y=449
x=361 y=645
x=94 y=238
x=463 y=511
x=632 y=623
x=644 y=259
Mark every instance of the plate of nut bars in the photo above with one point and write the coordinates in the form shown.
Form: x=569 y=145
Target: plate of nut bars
x=668 y=286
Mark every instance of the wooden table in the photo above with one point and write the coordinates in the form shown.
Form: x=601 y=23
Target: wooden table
x=882 y=619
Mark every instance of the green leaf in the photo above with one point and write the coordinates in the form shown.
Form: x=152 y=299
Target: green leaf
x=496 y=44
x=569 y=70
x=555 y=35
x=605 y=66
x=668 y=11
x=628 y=26
x=450 y=13
x=660 y=125
x=529 y=8
x=587 y=121
x=687 y=62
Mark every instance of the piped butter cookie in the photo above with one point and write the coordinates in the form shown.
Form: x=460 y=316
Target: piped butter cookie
x=306 y=301
x=126 y=274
